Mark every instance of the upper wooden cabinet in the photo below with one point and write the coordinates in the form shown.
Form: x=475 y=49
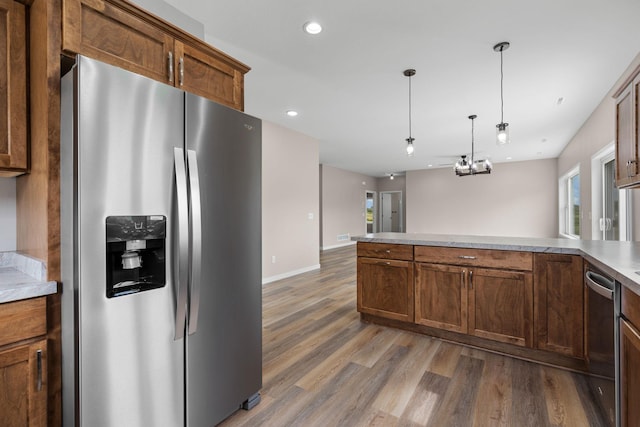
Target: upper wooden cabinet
x=121 y=34
x=13 y=88
x=627 y=120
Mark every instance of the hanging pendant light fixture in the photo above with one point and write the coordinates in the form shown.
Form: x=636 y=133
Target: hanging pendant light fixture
x=410 y=148
x=464 y=167
x=502 y=128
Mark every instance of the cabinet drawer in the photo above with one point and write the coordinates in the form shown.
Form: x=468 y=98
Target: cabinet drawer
x=22 y=320
x=386 y=251
x=631 y=306
x=510 y=260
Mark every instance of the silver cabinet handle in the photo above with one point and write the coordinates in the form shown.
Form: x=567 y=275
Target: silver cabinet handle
x=462 y=273
x=466 y=257
x=39 y=368
x=170 y=68
x=470 y=279
x=384 y=263
x=388 y=251
x=195 y=216
x=182 y=275
x=596 y=281
x=181 y=70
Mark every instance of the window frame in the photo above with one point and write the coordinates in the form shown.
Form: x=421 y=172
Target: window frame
x=564 y=203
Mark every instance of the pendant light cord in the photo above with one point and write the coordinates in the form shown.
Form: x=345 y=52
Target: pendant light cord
x=410 y=141
x=472 y=148
x=501 y=95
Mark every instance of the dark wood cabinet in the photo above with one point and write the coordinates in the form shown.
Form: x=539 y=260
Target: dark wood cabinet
x=385 y=281
x=23 y=363
x=627 y=121
x=385 y=288
x=501 y=306
x=120 y=33
x=559 y=304
x=13 y=89
x=629 y=373
x=441 y=296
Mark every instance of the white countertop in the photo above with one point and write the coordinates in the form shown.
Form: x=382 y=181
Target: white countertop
x=23 y=277
x=621 y=260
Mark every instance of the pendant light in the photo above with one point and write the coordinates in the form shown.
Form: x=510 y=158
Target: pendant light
x=410 y=148
x=502 y=128
x=464 y=167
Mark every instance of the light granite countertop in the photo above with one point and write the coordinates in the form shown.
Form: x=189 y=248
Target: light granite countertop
x=23 y=277
x=621 y=260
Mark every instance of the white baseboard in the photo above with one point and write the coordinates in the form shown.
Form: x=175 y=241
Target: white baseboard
x=326 y=248
x=266 y=280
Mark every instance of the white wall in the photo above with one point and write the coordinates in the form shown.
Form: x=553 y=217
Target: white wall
x=343 y=204
x=517 y=199
x=597 y=132
x=7 y=214
x=290 y=196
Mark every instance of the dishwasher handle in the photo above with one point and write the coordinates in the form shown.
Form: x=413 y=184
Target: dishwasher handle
x=600 y=284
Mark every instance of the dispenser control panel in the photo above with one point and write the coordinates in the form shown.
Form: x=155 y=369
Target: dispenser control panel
x=135 y=254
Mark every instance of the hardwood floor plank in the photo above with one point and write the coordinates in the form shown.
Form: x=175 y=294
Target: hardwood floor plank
x=425 y=401
x=371 y=352
x=493 y=406
x=563 y=404
x=528 y=405
x=446 y=359
x=458 y=403
x=397 y=393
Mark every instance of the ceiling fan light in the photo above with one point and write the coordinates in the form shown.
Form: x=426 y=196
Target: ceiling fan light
x=502 y=134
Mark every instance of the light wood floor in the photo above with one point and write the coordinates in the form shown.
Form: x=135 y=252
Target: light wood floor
x=323 y=367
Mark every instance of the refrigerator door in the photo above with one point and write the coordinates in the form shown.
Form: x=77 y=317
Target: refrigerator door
x=224 y=352
x=131 y=369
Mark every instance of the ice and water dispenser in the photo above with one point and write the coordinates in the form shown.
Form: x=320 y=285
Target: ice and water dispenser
x=135 y=254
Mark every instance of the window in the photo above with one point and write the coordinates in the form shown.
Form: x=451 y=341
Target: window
x=611 y=208
x=569 y=203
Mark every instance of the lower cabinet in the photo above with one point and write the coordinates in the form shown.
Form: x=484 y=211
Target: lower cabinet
x=23 y=385
x=559 y=304
x=629 y=373
x=487 y=303
x=385 y=288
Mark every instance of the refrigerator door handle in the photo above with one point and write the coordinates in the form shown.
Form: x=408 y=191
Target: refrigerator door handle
x=195 y=214
x=183 y=241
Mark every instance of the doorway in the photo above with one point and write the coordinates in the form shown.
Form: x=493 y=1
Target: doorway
x=370 y=212
x=391 y=211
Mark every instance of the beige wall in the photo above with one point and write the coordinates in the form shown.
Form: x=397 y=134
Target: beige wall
x=516 y=199
x=7 y=214
x=343 y=204
x=290 y=195
x=597 y=132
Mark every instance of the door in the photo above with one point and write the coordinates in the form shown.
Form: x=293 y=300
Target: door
x=224 y=353
x=130 y=366
x=391 y=211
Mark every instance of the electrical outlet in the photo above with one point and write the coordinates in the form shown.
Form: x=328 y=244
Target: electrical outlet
x=273 y=259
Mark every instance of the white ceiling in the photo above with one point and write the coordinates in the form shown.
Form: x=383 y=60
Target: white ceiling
x=347 y=83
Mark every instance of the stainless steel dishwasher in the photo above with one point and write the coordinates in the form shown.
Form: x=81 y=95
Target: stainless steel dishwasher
x=602 y=333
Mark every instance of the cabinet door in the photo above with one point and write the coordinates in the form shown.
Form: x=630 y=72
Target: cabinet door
x=501 y=306
x=13 y=87
x=385 y=288
x=559 y=304
x=103 y=31
x=626 y=137
x=202 y=73
x=23 y=385
x=441 y=296
x=629 y=373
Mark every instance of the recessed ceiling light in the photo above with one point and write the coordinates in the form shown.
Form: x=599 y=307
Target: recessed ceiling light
x=509 y=158
x=559 y=101
x=292 y=113
x=430 y=166
x=312 y=27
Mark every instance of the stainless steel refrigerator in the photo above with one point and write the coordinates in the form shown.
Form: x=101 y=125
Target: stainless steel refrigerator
x=161 y=253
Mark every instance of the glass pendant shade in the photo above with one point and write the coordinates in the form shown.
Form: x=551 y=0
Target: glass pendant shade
x=502 y=133
x=410 y=148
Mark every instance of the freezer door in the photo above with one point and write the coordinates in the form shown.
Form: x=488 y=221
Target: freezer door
x=224 y=352
x=131 y=369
